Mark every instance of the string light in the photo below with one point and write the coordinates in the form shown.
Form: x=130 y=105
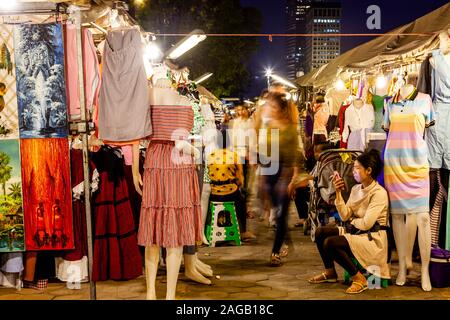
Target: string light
x=8 y=4
x=339 y=85
x=381 y=81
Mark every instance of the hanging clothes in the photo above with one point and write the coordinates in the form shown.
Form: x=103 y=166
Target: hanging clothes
x=91 y=71
x=358 y=122
x=321 y=115
x=438 y=195
x=335 y=99
x=424 y=79
x=11 y=267
x=406 y=158
x=378 y=106
x=437 y=137
x=341 y=119
x=171 y=208
x=124 y=112
x=116 y=253
x=77 y=258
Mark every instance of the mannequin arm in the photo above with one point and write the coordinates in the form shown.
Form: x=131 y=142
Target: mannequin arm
x=187 y=148
x=377 y=204
x=346 y=131
x=137 y=179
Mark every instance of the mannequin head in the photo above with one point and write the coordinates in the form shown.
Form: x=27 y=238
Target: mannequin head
x=358 y=103
x=406 y=90
x=444 y=42
x=367 y=167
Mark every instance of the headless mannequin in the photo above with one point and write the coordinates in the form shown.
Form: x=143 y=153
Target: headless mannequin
x=209 y=140
x=405 y=234
x=167 y=96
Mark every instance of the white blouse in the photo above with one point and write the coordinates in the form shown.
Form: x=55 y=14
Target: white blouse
x=357 y=119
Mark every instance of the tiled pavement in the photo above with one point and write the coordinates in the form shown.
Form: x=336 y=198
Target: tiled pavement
x=243 y=273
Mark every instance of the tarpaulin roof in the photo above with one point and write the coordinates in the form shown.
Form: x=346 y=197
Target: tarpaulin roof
x=385 y=48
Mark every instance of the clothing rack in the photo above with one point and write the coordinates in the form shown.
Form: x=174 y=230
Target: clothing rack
x=82 y=125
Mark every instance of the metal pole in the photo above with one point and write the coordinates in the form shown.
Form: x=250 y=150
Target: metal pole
x=85 y=130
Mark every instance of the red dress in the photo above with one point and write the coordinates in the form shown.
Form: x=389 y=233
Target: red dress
x=116 y=252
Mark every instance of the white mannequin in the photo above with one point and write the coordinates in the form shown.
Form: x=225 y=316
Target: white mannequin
x=165 y=95
x=444 y=46
x=405 y=235
x=209 y=135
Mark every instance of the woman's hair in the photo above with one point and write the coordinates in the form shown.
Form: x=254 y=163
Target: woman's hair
x=371 y=159
x=286 y=106
x=223 y=139
x=320 y=99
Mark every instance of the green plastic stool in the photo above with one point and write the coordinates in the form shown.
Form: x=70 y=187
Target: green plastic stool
x=347 y=278
x=224 y=225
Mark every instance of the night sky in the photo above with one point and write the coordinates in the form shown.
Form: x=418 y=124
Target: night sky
x=394 y=13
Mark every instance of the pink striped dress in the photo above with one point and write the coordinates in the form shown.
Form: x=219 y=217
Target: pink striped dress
x=170 y=212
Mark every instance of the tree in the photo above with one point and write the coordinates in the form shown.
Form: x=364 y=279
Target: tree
x=15 y=190
x=226 y=57
x=5 y=170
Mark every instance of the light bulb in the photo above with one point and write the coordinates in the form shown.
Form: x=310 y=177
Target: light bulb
x=8 y=4
x=381 y=81
x=340 y=85
x=152 y=51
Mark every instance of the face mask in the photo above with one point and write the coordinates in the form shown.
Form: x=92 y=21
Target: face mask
x=357 y=177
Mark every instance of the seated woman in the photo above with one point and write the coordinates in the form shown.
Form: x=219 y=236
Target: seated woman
x=364 y=237
x=227 y=177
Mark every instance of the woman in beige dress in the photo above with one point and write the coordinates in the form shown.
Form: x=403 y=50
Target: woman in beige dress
x=365 y=236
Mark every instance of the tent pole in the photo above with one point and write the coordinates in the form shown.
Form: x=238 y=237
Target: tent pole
x=85 y=132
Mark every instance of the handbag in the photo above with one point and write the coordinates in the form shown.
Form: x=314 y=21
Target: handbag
x=440 y=268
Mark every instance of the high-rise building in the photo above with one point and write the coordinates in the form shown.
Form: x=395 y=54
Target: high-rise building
x=295 y=56
x=322 y=19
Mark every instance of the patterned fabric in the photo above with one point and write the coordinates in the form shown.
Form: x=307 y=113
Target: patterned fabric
x=406 y=157
x=436 y=211
x=171 y=122
x=170 y=212
x=199 y=121
x=9 y=123
x=223 y=166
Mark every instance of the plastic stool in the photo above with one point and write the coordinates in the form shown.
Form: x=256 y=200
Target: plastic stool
x=347 y=278
x=224 y=225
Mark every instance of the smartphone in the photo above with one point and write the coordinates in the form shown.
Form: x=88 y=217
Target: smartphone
x=336 y=175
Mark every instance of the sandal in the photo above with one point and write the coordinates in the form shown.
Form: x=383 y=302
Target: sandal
x=284 y=251
x=322 y=278
x=357 y=287
x=275 y=260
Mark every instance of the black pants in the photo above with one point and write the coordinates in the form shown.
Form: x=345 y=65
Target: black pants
x=239 y=204
x=333 y=247
x=276 y=188
x=301 y=202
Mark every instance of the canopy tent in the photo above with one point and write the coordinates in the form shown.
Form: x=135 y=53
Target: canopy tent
x=393 y=47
